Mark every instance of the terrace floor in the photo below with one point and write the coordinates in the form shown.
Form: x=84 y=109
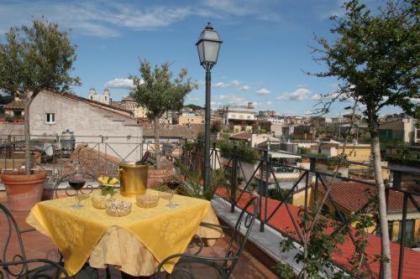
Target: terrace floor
x=40 y=246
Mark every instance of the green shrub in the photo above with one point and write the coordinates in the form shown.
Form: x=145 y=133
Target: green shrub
x=243 y=152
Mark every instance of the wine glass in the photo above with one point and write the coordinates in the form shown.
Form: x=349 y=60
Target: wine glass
x=77 y=182
x=172 y=184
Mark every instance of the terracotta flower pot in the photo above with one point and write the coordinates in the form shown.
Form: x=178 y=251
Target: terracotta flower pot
x=155 y=177
x=23 y=191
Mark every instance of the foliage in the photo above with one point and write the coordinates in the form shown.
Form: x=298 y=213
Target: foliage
x=156 y=91
x=192 y=186
x=376 y=58
x=4 y=99
x=280 y=194
x=242 y=151
x=304 y=150
x=216 y=126
x=284 y=271
x=193 y=107
x=107 y=190
x=35 y=58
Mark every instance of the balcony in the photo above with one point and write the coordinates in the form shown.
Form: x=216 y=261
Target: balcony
x=281 y=219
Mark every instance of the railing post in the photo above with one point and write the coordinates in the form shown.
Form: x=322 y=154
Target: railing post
x=233 y=180
x=312 y=169
x=396 y=179
x=213 y=156
x=402 y=230
x=263 y=189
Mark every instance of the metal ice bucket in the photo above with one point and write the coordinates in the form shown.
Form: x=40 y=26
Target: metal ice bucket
x=133 y=179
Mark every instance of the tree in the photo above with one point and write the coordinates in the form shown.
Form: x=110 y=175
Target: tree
x=157 y=92
x=32 y=59
x=194 y=107
x=376 y=58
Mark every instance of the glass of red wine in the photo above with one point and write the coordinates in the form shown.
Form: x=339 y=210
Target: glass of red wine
x=173 y=185
x=77 y=182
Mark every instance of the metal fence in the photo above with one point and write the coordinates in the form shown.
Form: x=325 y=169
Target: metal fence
x=264 y=177
x=51 y=148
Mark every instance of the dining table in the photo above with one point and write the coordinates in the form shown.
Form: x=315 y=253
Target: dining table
x=135 y=243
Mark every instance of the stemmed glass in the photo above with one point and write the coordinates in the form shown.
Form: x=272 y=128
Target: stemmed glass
x=77 y=182
x=172 y=184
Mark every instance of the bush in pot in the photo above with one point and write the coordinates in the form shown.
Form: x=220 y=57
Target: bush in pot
x=158 y=93
x=32 y=59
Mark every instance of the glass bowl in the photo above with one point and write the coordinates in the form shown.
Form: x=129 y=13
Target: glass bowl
x=99 y=201
x=147 y=200
x=118 y=208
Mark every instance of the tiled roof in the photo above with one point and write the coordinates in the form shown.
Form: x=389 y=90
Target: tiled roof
x=282 y=221
x=353 y=196
x=15 y=104
x=241 y=136
x=175 y=131
x=116 y=109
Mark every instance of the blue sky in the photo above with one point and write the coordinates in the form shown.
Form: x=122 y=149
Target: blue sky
x=263 y=59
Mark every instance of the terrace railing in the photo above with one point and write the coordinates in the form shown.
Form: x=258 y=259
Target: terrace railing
x=264 y=176
x=104 y=151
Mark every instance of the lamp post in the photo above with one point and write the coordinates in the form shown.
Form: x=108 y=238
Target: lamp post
x=208 y=46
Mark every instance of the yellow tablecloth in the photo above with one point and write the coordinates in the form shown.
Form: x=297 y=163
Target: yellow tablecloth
x=89 y=232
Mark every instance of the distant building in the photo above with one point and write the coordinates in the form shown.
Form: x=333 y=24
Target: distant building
x=129 y=103
x=15 y=109
x=189 y=117
x=254 y=140
x=397 y=128
x=102 y=98
x=91 y=122
x=240 y=118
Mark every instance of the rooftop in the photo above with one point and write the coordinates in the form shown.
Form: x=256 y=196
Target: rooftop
x=353 y=196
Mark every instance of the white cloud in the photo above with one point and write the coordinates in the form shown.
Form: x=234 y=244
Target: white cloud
x=94 y=19
x=106 y=18
x=299 y=94
x=232 y=84
x=124 y=83
x=263 y=91
x=415 y=100
x=316 y=97
x=231 y=99
x=258 y=9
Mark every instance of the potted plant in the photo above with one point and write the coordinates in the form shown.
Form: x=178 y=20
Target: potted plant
x=158 y=93
x=32 y=59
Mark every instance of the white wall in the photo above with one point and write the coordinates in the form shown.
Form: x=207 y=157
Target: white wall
x=120 y=133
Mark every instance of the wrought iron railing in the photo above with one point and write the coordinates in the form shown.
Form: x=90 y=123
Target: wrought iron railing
x=119 y=147
x=264 y=174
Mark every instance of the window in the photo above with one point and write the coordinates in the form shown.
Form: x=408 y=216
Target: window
x=50 y=118
x=409 y=231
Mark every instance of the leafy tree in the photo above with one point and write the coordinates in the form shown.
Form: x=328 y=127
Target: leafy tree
x=4 y=99
x=194 y=107
x=35 y=58
x=376 y=58
x=156 y=91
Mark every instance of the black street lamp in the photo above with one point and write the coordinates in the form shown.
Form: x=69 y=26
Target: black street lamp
x=208 y=46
